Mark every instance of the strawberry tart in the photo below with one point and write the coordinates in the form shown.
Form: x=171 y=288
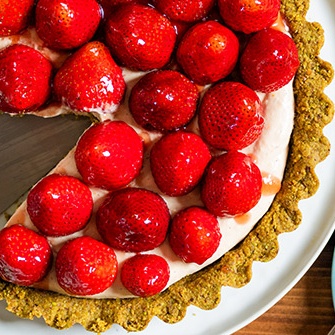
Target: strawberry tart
x=207 y=120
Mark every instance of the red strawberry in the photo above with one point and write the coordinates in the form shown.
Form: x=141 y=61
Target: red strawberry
x=145 y=275
x=133 y=219
x=232 y=185
x=208 y=52
x=85 y=266
x=195 y=235
x=109 y=155
x=230 y=116
x=23 y=87
x=14 y=16
x=90 y=79
x=140 y=37
x=109 y=6
x=163 y=100
x=178 y=161
x=249 y=16
x=25 y=256
x=269 y=61
x=184 y=10
x=67 y=24
x=59 y=205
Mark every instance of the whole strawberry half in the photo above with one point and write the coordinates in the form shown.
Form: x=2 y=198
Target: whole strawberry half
x=85 y=266
x=14 y=16
x=178 y=161
x=59 y=205
x=90 y=80
x=232 y=184
x=145 y=275
x=109 y=155
x=140 y=37
x=208 y=52
x=194 y=235
x=230 y=116
x=23 y=87
x=163 y=100
x=269 y=61
x=133 y=219
x=249 y=16
x=184 y=10
x=25 y=256
x=66 y=24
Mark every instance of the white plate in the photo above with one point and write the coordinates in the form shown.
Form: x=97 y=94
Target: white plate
x=271 y=281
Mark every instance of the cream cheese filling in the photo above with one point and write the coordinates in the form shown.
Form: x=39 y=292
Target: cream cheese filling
x=269 y=153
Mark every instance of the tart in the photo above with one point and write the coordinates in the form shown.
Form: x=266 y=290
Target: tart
x=307 y=147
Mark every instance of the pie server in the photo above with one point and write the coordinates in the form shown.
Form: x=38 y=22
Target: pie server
x=30 y=147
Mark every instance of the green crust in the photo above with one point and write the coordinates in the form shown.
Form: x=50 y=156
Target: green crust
x=308 y=147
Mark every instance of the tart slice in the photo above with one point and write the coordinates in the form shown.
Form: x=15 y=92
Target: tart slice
x=239 y=231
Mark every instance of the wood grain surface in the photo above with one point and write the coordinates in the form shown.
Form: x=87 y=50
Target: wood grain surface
x=307 y=309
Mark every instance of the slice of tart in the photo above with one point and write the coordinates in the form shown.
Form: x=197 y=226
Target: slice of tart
x=282 y=165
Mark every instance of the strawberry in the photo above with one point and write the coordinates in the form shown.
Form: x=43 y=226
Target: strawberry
x=194 y=235
x=145 y=275
x=25 y=256
x=232 y=184
x=90 y=79
x=230 y=116
x=208 y=52
x=140 y=37
x=67 y=24
x=133 y=219
x=269 y=61
x=109 y=155
x=85 y=266
x=178 y=161
x=59 y=205
x=23 y=87
x=184 y=10
x=109 y=6
x=14 y=16
x=163 y=100
x=249 y=16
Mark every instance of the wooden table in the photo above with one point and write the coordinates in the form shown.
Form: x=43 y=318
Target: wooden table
x=307 y=309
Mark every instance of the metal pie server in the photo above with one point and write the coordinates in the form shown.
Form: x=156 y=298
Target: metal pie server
x=30 y=147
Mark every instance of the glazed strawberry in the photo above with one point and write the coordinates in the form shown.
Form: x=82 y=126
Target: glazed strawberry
x=145 y=275
x=14 y=16
x=109 y=155
x=230 y=116
x=85 y=266
x=67 y=24
x=232 y=184
x=133 y=219
x=249 y=16
x=269 y=61
x=109 y=6
x=194 y=235
x=163 y=100
x=25 y=256
x=184 y=10
x=23 y=87
x=140 y=37
x=90 y=80
x=178 y=161
x=59 y=205
x=208 y=52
